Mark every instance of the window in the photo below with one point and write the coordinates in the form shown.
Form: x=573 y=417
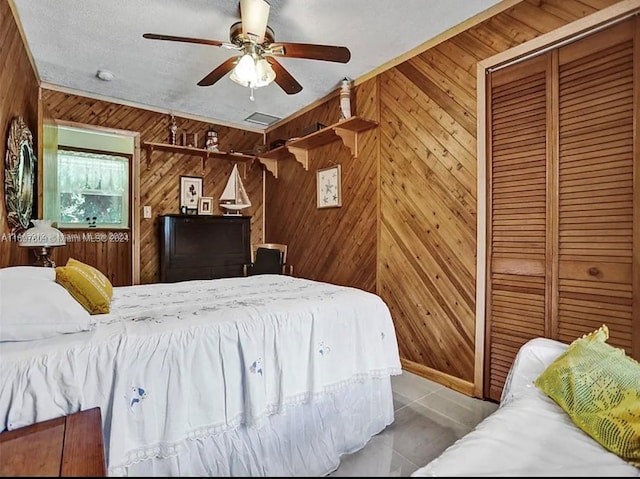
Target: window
x=92 y=188
x=87 y=187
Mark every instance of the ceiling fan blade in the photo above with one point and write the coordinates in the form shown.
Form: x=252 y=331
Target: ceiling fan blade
x=284 y=79
x=201 y=41
x=327 y=53
x=255 y=15
x=218 y=72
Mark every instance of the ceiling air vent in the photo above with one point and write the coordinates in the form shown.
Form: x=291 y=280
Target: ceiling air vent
x=262 y=118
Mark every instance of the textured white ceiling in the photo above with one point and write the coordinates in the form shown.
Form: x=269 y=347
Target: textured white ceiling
x=71 y=39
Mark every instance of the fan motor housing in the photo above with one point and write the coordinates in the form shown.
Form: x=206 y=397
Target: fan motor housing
x=238 y=38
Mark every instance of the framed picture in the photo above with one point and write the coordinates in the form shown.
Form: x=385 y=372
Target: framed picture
x=328 y=186
x=205 y=206
x=190 y=192
x=190 y=140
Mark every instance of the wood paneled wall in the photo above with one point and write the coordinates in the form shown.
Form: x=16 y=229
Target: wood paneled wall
x=18 y=97
x=160 y=180
x=428 y=186
x=336 y=245
x=426 y=200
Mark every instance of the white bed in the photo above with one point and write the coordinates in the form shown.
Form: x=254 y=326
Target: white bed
x=267 y=375
x=529 y=434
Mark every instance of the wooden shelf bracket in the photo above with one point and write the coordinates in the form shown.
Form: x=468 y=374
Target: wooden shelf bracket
x=301 y=155
x=349 y=129
x=349 y=139
x=271 y=164
x=270 y=158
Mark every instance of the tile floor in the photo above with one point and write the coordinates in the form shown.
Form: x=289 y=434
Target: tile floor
x=429 y=418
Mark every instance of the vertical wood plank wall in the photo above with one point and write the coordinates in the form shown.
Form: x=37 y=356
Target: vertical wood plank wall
x=159 y=185
x=18 y=97
x=426 y=254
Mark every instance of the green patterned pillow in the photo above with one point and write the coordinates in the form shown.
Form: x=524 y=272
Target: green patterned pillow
x=598 y=386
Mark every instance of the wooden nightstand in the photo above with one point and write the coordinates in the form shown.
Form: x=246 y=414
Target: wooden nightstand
x=66 y=446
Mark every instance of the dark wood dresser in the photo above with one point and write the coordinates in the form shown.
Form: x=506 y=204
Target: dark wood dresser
x=65 y=446
x=203 y=247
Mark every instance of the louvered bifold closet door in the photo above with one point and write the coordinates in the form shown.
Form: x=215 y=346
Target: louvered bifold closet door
x=596 y=194
x=517 y=208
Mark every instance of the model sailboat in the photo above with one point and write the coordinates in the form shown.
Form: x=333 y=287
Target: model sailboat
x=234 y=197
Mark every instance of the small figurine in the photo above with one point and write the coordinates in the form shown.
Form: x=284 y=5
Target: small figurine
x=345 y=99
x=211 y=143
x=173 y=129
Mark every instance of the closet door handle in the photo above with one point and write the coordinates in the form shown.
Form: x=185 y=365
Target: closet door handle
x=593 y=271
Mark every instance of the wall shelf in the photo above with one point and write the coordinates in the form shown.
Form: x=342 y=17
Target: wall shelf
x=201 y=152
x=345 y=130
x=297 y=149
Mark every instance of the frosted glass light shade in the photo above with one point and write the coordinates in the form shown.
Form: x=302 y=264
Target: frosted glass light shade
x=253 y=72
x=42 y=234
x=264 y=73
x=245 y=70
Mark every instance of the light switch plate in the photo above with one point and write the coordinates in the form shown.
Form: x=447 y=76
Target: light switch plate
x=147 y=212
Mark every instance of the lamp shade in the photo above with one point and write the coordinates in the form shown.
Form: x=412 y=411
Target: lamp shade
x=245 y=71
x=264 y=73
x=42 y=234
x=253 y=71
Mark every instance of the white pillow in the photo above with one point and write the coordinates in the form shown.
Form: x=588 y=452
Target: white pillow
x=27 y=272
x=33 y=309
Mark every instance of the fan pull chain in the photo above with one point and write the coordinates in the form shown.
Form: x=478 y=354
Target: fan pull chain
x=251 y=95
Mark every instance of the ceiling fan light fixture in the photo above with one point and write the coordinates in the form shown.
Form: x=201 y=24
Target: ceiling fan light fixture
x=253 y=37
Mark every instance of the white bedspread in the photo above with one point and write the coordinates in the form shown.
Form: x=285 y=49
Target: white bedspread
x=178 y=361
x=529 y=435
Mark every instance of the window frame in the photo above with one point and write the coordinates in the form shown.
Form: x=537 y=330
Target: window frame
x=85 y=225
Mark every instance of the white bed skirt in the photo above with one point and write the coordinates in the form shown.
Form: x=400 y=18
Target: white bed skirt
x=308 y=439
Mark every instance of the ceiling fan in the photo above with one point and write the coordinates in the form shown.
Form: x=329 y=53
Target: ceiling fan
x=256 y=65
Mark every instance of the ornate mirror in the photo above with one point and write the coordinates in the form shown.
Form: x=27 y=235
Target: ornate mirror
x=19 y=175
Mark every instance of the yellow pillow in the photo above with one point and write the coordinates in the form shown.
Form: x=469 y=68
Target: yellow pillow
x=598 y=386
x=87 y=285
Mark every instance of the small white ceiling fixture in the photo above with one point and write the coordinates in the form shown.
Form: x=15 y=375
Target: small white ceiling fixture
x=105 y=75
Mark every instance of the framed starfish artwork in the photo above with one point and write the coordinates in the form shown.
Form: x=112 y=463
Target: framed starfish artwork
x=329 y=187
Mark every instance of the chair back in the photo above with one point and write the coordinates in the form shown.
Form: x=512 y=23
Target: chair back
x=267 y=258
x=279 y=246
